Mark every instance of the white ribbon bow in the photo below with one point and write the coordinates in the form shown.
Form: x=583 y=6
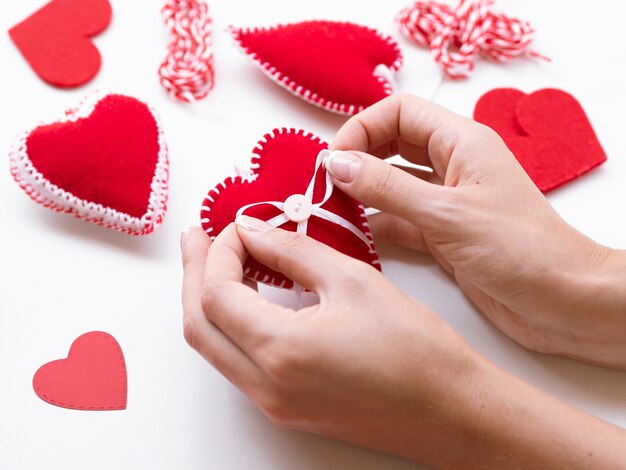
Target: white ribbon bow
x=317 y=209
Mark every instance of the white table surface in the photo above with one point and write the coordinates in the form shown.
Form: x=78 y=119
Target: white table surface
x=61 y=277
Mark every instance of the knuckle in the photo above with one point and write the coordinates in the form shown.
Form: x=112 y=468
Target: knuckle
x=356 y=278
x=278 y=361
x=394 y=232
x=187 y=259
x=283 y=359
x=190 y=326
x=359 y=270
x=190 y=258
x=487 y=133
x=295 y=241
x=292 y=245
x=406 y=98
x=484 y=140
x=275 y=406
x=385 y=180
x=209 y=299
x=402 y=96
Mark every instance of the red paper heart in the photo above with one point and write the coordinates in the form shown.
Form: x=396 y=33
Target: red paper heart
x=283 y=164
x=92 y=377
x=55 y=40
x=342 y=67
x=547 y=131
x=105 y=162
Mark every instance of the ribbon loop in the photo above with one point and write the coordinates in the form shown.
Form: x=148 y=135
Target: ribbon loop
x=316 y=208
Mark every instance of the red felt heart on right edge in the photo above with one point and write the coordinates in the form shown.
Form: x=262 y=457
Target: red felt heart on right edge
x=55 y=40
x=547 y=131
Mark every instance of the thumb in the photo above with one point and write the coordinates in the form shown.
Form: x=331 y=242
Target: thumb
x=308 y=262
x=380 y=185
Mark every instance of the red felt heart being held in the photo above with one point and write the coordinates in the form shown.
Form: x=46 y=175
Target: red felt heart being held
x=104 y=161
x=92 y=377
x=55 y=40
x=547 y=131
x=286 y=166
x=342 y=67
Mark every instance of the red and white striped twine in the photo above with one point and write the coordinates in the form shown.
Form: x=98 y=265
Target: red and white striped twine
x=187 y=72
x=457 y=35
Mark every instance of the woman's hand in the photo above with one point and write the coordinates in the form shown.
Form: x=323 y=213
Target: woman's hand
x=370 y=365
x=479 y=215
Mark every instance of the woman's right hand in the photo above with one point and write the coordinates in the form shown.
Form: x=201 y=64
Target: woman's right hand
x=478 y=214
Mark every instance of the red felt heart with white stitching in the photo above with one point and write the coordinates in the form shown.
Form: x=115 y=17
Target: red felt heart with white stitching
x=339 y=66
x=547 y=131
x=104 y=161
x=283 y=164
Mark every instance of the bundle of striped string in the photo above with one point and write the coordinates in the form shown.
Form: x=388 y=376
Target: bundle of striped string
x=457 y=35
x=187 y=72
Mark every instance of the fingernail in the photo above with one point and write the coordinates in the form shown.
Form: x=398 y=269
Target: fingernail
x=251 y=224
x=183 y=238
x=343 y=165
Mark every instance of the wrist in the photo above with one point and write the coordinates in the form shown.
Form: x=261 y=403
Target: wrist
x=604 y=282
x=515 y=425
x=591 y=297
x=576 y=291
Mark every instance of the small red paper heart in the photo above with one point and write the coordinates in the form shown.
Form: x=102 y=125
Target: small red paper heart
x=547 y=131
x=283 y=164
x=55 y=40
x=104 y=162
x=92 y=377
x=342 y=67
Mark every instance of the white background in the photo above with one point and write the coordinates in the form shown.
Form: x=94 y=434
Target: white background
x=61 y=277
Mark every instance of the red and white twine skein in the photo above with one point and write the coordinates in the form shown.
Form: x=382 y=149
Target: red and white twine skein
x=457 y=35
x=187 y=72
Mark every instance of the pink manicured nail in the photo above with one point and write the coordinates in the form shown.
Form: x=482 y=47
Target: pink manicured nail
x=343 y=165
x=251 y=224
x=183 y=238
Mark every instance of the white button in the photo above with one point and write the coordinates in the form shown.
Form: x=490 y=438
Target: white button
x=298 y=208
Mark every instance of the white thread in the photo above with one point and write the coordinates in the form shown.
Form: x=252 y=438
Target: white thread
x=317 y=209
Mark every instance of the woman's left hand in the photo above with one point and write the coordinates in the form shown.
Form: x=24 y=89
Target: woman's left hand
x=368 y=364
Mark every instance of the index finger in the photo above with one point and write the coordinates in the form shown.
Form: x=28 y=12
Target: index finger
x=239 y=311
x=410 y=119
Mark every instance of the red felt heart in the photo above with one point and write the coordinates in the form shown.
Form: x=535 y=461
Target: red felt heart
x=547 y=131
x=342 y=67
x=92 y=377
x=283 y=164
x=55 y=40
x=105 y=162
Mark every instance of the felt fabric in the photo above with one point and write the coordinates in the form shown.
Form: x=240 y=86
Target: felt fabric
x=92 y=377
x=331 y=64
x=105 y=162
x=283 y=163
x=547 y=131
x=55 y=40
